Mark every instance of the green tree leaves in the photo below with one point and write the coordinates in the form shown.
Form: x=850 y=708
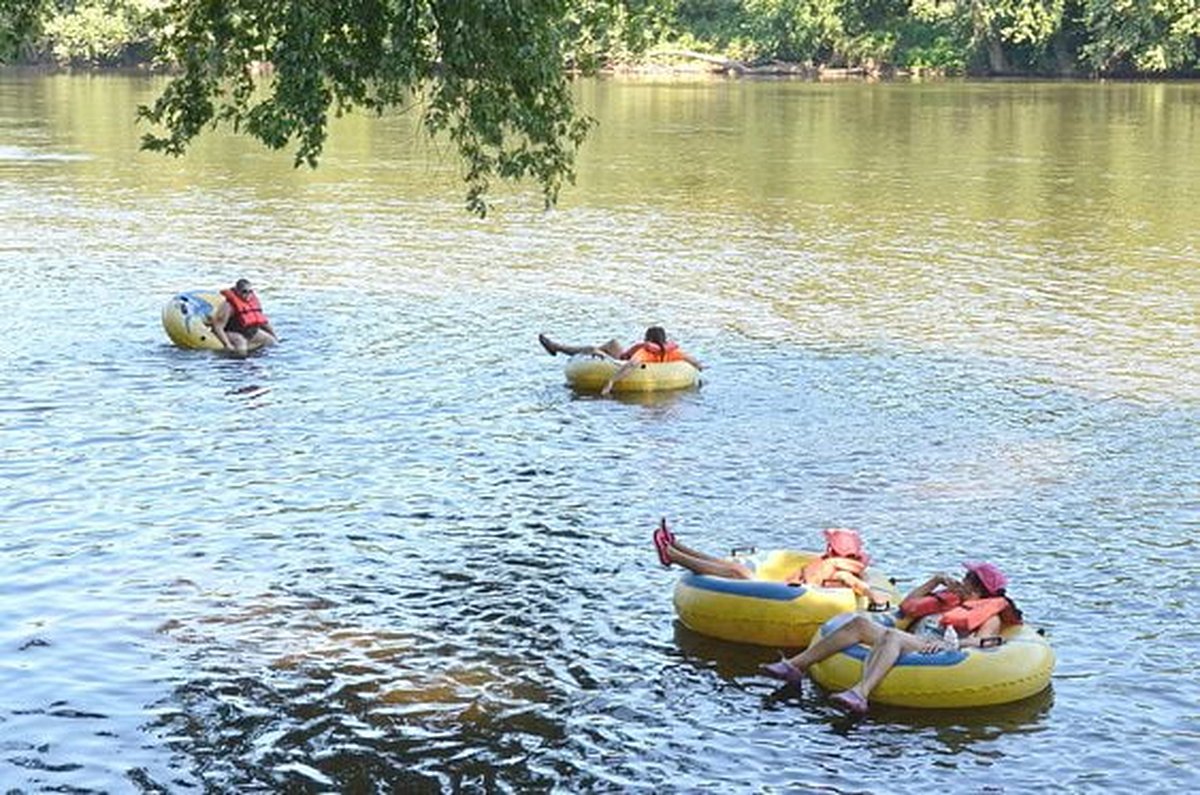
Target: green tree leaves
x=489 y=74
x=105 y=33
x=1127 y=36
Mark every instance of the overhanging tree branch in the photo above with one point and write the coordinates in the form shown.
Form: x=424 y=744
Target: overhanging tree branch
x=490 y=73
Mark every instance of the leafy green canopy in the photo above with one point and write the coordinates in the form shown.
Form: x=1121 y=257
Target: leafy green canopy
x=489 y=73
x=19 y=19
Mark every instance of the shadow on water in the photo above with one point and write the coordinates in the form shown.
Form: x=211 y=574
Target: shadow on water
x=230 y=372
x=286 y=694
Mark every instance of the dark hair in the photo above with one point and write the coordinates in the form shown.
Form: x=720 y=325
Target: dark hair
x=657 y=335
x=242 y=286
x=1014 y=614
x=1016 y=611
x=973 y=580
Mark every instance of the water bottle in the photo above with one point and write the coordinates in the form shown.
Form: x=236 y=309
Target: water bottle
x=951 y=637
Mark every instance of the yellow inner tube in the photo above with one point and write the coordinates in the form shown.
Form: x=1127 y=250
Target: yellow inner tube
x=186 y=319
x=1018 y=668
x=766 y=611
x=586 y=373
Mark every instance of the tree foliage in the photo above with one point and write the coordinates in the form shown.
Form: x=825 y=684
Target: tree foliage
x=104 y=33
x=493 y=75
x=1142 y=36
x=412 y=43
x=489 y=74
x=20 y=27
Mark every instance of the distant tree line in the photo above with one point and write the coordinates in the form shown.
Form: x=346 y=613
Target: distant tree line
x=1117 y=38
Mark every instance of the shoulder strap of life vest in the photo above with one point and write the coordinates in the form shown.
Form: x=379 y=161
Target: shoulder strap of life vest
x=936 y=602
x=974 y=613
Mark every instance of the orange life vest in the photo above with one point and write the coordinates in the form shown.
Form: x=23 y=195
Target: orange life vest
x=653 y=352
x=246 y=313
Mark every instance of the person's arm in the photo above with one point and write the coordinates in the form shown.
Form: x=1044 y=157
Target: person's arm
x=621 y=372
x=926 y=598
x=934 y=582
x=853 y=582
x=692 y=360
x=219 y=319
x=270 y=330
x=989 y=629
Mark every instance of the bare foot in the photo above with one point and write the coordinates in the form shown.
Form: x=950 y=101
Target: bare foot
x=547 y=344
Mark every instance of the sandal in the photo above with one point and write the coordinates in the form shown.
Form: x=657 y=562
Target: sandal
x=850 y=700
x=783 y=670
x=662 y=543
x=667 y=530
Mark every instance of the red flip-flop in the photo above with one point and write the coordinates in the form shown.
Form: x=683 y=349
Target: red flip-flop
x=667 y=530
x=661 y=542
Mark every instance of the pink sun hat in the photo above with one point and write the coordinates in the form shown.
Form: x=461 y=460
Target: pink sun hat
x=990 y=576
x=842 y=542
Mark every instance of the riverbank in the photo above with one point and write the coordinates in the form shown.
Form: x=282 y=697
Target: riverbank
x=691 y=62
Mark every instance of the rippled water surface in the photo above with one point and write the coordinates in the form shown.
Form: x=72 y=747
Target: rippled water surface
x=395 y=553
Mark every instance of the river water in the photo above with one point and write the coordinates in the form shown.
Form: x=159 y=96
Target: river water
x=396 y=554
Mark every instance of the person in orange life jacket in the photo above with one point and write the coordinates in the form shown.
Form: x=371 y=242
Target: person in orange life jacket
x=977 y=607
x=654 y=347
x=239 y=323
x=841 y=565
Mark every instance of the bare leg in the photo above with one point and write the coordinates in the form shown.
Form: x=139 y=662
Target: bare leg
x=260 y=339
x=882 y=657
x=859 y=629
x=695 y=553
x=613 y=349
x=707 y=564
x=238 y=344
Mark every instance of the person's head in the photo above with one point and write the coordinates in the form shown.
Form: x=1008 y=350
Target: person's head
x=985 y=579
x=242 y=287
x=842 y=542
x=657 y=335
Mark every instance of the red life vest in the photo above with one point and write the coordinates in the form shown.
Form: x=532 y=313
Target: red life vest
x=937 y=602
x=246 y=313
x=653 y=352
x=974 y=613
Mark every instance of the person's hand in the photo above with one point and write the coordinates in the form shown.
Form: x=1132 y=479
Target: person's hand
x=949 y=583
x=607 y=388
x=934 y=645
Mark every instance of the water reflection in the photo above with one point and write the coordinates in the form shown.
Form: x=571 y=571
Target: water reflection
x=15 y=153
x=662 y=402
